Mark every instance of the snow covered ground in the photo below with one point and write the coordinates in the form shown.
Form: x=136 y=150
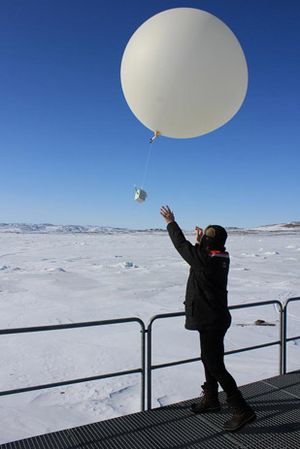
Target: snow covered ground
x=55 y=275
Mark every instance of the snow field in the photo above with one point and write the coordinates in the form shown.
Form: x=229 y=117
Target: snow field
x=66 y=278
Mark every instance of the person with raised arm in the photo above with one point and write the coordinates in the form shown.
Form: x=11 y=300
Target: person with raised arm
x=207 y=312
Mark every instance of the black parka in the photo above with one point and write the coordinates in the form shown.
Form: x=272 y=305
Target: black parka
x=206 y=292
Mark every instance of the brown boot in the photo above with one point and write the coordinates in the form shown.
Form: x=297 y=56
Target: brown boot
x=242 y=412
x=209 y=401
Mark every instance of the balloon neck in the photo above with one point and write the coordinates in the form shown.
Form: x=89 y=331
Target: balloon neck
x=155 y=136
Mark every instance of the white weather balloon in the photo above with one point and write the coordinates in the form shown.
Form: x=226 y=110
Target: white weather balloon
x=184 y=73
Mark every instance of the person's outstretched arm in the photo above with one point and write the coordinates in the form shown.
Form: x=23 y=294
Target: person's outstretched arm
x=187 y=251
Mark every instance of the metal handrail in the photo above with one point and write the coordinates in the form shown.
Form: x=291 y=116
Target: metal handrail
x=146 y=370
x=151 y=367
x=141 y=370
x=285 y=339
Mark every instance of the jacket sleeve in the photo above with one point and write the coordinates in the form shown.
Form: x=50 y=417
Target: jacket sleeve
x=187 y=251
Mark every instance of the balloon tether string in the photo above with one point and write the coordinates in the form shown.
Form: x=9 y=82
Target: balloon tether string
x=155 y=136
x=147 y=165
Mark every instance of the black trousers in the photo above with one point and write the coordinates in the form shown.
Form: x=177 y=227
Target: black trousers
x=212 y=355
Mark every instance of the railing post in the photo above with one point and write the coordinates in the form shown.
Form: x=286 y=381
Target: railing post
x=143 y=383
x=149 y=366
x=282 y=347
x=283 y=339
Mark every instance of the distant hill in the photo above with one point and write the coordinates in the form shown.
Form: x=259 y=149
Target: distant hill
x=292 y=226
x=48 y=228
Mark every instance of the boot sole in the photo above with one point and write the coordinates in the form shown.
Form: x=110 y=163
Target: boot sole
x=246 y=421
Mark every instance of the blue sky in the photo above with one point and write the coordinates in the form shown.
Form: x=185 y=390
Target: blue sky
x=71 y=150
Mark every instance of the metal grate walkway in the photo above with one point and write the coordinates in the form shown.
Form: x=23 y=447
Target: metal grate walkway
x=276 y=402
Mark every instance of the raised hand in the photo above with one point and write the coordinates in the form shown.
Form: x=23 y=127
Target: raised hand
x=199 y=233
x=168 y=215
